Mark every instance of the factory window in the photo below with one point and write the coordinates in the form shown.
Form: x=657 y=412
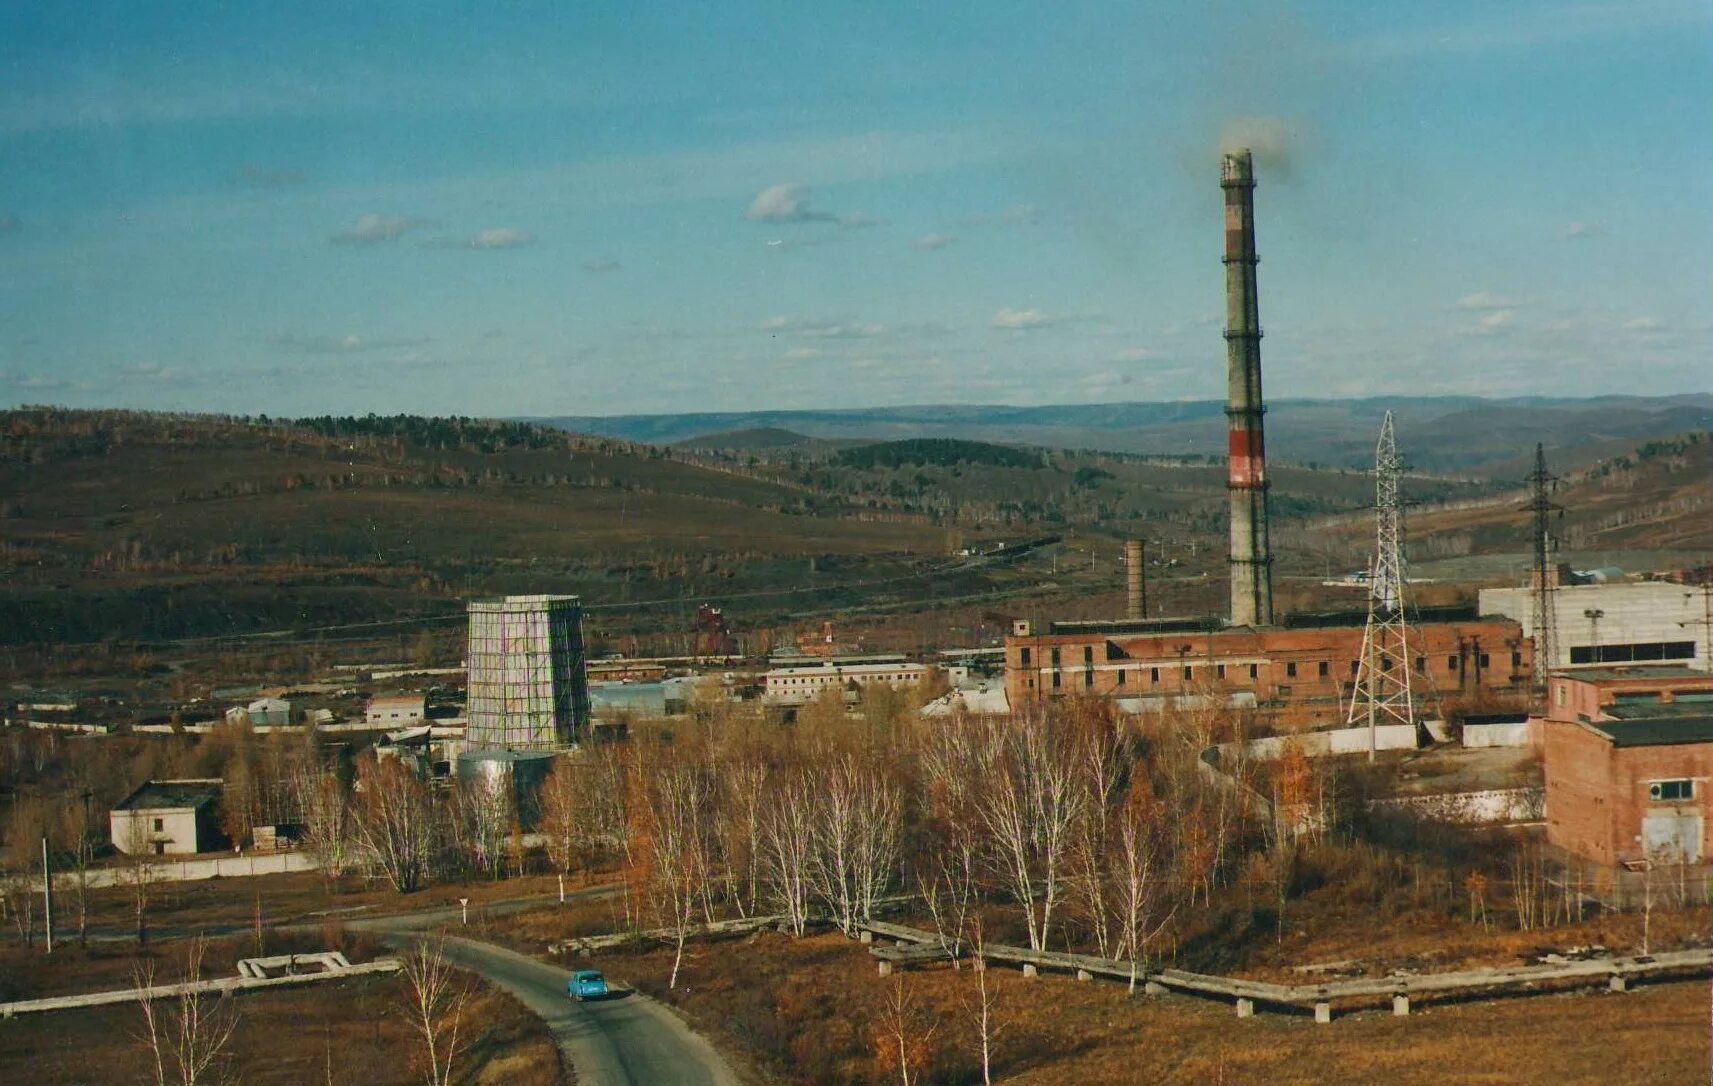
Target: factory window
x=1120 y=676
x=1055 y=680
x=160 y=825
x=1220 y=671
x=1625 y=654
x=1025 y=656
x=1324 y=671
x=1088 y=654
x=1516 y=660
x=1186 y=672
x=1558 y=693
x=1451 y=663
x=1055 y=657
x=1254 y=671
x=1088 y=679
x=1154 y=675
x=1385 y=663
x=1671 y=790
x=1353 y=666
x=1290 y=669
x=1421 y=664
x=1483 y=661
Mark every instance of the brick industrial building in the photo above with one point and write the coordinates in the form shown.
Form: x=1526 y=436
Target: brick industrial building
x=1629 y=764
x=1298 y=673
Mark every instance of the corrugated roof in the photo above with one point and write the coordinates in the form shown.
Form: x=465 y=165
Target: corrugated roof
x=162 y=795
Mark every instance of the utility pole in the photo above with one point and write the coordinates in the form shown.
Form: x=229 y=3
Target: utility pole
x=48 y=894
x=1545 y=575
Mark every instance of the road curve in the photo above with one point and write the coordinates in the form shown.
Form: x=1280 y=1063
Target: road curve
x=626 y=1041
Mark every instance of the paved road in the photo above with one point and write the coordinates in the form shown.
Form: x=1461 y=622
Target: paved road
x=629 y=1040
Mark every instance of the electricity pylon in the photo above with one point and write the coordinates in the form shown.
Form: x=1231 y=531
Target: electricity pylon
x=1381 y=693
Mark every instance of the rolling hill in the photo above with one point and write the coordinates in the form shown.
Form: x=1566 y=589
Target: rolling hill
x=1461 y=434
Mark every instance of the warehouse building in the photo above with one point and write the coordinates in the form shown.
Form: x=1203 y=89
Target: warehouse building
x=798 y=685
x=1595 y=625
x=1298 y=674
x=1630 y=791
x=168 y=818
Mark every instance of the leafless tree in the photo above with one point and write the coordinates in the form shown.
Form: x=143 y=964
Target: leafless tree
x=674 y=793
x=1142 y=889
x=788 y=847
x=481 y=815
x=905 y=1032
x=563 y=792
x=983 y=1007
x=1029 y=805
x=186 y=1036
x=326 y=812
x=394 y=821
x=139 y=873
x=435 y=999
x=856 y=837
x=744 y=791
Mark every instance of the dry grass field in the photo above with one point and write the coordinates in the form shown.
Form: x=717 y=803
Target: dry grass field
x=346 y=1033
x=815 y=1011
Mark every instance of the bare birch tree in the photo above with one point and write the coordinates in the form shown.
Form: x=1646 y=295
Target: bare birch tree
x=435 y=998
x=186 y=1036
x=326 y=812
x=788 y=847
x=673 y=794
x=394 y=822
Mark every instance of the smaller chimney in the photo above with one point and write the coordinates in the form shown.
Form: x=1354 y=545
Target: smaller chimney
x=1135 y=580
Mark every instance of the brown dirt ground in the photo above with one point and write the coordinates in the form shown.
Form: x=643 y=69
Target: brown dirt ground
x=347 y=1032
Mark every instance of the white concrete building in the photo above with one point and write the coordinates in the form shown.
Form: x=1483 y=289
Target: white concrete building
x=396 y=710
x=1616 y=623
x=797 y=685
x=167 y=818
x=262 y=713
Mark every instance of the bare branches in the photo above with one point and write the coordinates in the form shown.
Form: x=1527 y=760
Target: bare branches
x=394 y=822
x=435 y=999
x=187 y=1037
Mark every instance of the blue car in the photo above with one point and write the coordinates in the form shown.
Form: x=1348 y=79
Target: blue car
x=586 y=984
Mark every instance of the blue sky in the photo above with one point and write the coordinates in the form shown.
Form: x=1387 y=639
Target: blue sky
x=536 y=209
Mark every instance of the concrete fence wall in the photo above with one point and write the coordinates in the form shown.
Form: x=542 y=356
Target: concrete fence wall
x=1487 y=807
x=1525 y=733
x=208 y=867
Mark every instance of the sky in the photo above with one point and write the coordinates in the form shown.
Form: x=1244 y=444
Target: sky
x=544 y=209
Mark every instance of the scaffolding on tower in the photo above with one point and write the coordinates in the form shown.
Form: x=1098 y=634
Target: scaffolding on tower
x=1382 y=693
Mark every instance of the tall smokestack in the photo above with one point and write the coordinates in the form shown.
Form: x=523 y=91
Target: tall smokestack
x=1135 y=588
x=1251 y=557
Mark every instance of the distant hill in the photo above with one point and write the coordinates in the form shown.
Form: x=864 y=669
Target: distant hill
x=1457 y=434
x=755 y=439
x=938 y=451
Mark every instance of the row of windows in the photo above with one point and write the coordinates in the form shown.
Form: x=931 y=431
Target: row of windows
x=1626 y=654
x=1322 y=668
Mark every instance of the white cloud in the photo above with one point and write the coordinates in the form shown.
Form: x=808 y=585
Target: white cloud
x=930 y=242
x=1644 y=325
x=503 y=237
x=822 y=328
x=785 y=203
x=804 y=354
x=1578 y=230
x=495 y=238
x=1486 y=299
x=37 y=383
x=1020 y=320
x=1133 y=354
x=1496 y=321
x=375 y=229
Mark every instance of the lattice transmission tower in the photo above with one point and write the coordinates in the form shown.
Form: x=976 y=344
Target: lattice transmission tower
x=1381 y=693
x=1545 y=573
